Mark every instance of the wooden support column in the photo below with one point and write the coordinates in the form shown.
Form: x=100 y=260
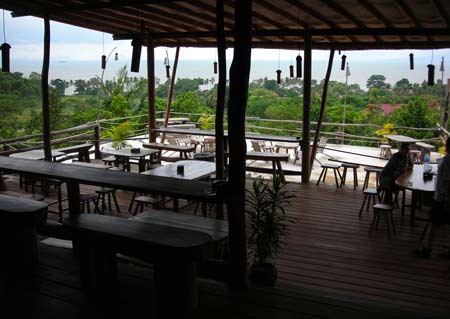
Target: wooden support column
x=322 y=108
x=151 y=92
x=169 y=98
x=221 y=87
x=45 y=93
x=237 y=103
x=306 y=109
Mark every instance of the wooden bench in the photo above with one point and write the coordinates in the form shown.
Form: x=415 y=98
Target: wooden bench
x=184 y=150
x=174 y=251
x=81 y=149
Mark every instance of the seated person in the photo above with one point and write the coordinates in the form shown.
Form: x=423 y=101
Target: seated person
x=395 y=167
x=440 y=209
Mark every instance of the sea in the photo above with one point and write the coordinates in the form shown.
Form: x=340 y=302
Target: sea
x=359 y=71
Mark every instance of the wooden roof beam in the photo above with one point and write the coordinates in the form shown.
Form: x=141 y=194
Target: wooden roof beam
x=441 y=12
x=407 y=10
x=99 y=5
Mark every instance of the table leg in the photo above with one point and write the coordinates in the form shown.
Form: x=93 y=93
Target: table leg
x=280 y=172
x=413 y=207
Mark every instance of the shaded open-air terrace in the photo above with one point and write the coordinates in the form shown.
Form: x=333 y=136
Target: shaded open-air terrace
x=331 y=266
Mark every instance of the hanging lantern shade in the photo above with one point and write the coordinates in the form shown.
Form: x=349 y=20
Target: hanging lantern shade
x=291 y=71
x=116 y=57
x=168 y=71
x=298 y=59
x=215 y=67
x=5 y=47
x=343 y=58
x=136 y=55
x=103 y=61
x=278 y=76
x=339 y=52
x=411 y=61
x=430 y=74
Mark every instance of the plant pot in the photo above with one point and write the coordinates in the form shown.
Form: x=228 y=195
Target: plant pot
x=263 y=274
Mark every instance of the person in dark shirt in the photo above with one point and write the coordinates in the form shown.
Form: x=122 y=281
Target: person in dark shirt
x=440 y=209
x=396 y=165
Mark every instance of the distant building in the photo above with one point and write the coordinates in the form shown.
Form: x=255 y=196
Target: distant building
x=388 y=108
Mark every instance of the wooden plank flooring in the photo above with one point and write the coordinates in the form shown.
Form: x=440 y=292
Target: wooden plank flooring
x=331 y=268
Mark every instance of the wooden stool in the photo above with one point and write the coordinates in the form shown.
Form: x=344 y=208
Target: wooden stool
x=102 y=192
x=109 y=160
x=86 y=199
x=369 y=170
x=355 y=174
x=145 y=200
x=335 y=167
x=369 y=193
x=379 y=209
x=57 y=184
x=20 y=219
x=385 y=151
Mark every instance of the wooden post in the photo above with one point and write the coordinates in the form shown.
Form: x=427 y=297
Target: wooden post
x=239 y=77
x=98 y=154
x=306 y=109
x=221 y=88
x=322 y=109
x=169 y=98
x=45 y=94
x=151 y=92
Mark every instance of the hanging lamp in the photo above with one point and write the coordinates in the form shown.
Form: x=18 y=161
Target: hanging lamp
x=343 y=59
x=411 y=61
x=430 y=74
x=291 y=71
x=278 y=76
x=298 y=61
x=116 y=57
x=5 y=47
x=215 y=67
x=136 y=55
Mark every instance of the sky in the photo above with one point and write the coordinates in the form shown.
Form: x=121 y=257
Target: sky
x=79 y=50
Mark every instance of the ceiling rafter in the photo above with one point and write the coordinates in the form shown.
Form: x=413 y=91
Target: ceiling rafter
x=410 y=14
x=440 y=10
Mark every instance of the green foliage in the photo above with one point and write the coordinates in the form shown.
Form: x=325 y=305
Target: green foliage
x=206 y=122
x=119 y=134
x=265 y=208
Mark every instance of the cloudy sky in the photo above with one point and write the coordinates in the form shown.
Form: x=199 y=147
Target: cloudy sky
x=68 y=43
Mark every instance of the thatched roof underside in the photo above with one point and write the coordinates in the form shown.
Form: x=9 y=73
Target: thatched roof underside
x=342 y=24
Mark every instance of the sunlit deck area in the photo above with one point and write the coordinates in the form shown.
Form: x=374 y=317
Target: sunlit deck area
x=331 y=268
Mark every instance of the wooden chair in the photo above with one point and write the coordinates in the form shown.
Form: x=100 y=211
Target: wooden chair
x=369 y=194
x=355 y=174
x=369 y=170
x=102 y=192
x=385 y=151
x=85 y=200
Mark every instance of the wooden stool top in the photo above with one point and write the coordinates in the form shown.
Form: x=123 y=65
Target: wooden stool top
x=330 y=165
x=385 y=146
x=384 y=207
x=372 y=191
x=372 y=169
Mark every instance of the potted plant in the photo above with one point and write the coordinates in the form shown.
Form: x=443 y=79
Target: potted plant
x=119 y=134
x=265 y=208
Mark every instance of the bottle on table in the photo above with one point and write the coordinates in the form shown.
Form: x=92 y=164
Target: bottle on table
x=426 y=163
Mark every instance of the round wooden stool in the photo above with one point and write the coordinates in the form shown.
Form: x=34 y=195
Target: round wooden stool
x=378 y=210
x=101 y=194
x=146 y=200
x=335 y=167
x=369 y=170
x=355 y=174
x=109 y=160
x=369 y=194
x=86 y=199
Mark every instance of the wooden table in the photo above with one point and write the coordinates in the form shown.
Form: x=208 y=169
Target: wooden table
x=275 y=158
x=286 y=146
x=193 y=170
x=126 y=154
x=36 y=155
x=92 y=165
x=402 y=139
x=183 y=149
x=414 y=181
x=248 y=135
x=81 y=149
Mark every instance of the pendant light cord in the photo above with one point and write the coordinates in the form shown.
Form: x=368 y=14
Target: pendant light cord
x=4 y=31
x=432 y=56
x=103 y=42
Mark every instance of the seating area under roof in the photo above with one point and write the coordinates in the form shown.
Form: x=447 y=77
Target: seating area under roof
x=346 y=25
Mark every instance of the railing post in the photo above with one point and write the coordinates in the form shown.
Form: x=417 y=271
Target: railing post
x=98 y=154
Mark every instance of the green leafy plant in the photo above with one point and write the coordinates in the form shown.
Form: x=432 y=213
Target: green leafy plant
x=119 y=134
x=268 y=220
x=388 y=129
x=206 y=122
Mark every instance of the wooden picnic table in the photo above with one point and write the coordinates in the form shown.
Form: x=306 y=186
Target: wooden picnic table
x=126 y=154
x=184 y=150
x=92 y=165
x=36 y=155
x=286 y=146
x=402 y=139
x=81 y=149
x=173 y=120
x=248 y=135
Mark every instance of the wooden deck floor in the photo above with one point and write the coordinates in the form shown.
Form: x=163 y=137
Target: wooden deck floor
x=331 y=268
